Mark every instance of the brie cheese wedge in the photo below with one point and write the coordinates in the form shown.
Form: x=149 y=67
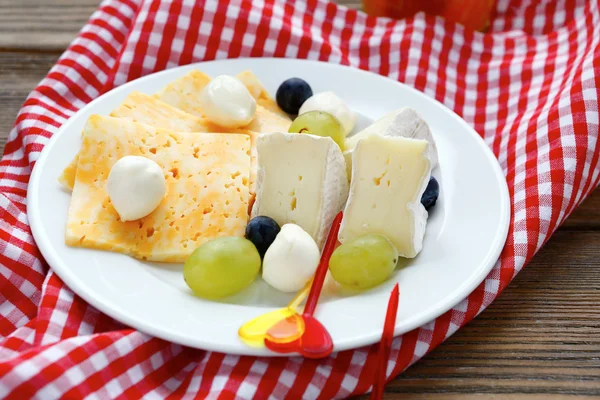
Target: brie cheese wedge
x=404 y=122
x=302 y=180
x=389 y=176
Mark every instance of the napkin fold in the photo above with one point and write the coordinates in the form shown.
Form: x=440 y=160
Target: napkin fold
x=530 y=87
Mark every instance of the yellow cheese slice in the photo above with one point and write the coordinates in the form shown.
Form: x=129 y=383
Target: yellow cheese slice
x=183 y=93
x=207 y=196
x=145 y=109
x=266 y=121
x=260 y=94
x=67 y=177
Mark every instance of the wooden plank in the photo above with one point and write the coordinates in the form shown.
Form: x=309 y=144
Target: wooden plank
x=541 y=337
x=356 y=4
x=481 y=396
x=42 y=25
x=539 y=340
x=586 y=216
x=19 y=74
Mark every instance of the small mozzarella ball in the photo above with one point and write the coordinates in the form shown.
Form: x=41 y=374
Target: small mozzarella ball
x=227 y=102
x=136 y=186
x=291 y=260
x=332 y=104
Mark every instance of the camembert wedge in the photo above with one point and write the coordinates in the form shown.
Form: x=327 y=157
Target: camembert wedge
x=301 y=180
x=207 y=177
x=404 y=122
x=389 y=176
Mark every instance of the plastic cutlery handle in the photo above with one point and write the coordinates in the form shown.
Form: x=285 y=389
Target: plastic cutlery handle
x=315 y=290
x=385 y=345
x=301 y=295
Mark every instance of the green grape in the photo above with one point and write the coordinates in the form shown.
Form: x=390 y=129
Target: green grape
x=319 y=123
x=364 y=262
x=221 y=267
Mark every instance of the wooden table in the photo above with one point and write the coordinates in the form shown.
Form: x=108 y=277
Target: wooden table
x=539 y=340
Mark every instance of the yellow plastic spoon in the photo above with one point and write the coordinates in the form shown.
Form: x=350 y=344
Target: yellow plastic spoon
x=254 y=331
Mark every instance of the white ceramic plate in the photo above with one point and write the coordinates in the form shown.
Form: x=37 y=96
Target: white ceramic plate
x=465 y=233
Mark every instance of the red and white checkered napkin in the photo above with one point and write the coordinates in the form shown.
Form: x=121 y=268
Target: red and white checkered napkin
x=530 y=87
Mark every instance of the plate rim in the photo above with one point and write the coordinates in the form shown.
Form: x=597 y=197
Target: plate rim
x=72 y=281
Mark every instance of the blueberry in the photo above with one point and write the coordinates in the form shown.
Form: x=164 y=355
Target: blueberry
x=292 y=93
x=431 y=194
x=262 y=232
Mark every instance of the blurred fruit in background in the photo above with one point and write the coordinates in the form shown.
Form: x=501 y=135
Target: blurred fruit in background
x=474 y=14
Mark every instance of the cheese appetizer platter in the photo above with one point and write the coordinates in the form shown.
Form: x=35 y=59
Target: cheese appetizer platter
x=191 y=201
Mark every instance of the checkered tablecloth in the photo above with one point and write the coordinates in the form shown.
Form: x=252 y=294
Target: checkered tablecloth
x=529 y=87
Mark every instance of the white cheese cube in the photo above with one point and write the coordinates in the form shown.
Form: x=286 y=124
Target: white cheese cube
x=389 y=176
x=404 y=122
x=301 y=180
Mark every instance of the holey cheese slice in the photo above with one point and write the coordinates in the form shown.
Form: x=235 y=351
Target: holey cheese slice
x=301 y=180
x=404 y=122
x=145 y=109
x=260 y=94
x=184 y=93
x=207 y=190
x=389 y=176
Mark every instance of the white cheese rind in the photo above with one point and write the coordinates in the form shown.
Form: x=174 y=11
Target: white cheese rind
x=302 y=180
x=404 y=122
x=389 y=176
